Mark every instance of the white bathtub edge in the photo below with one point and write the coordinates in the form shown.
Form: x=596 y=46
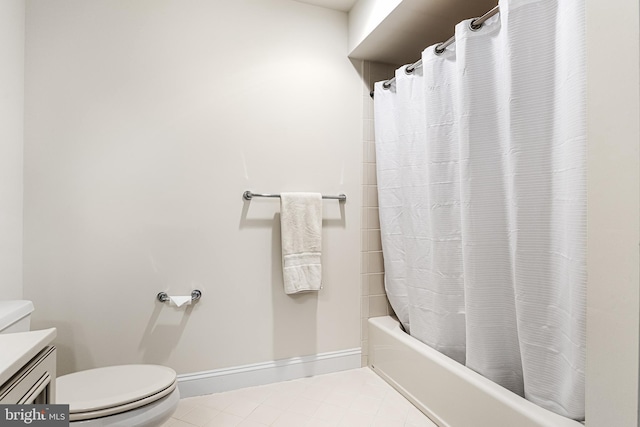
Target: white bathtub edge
x=435 y=378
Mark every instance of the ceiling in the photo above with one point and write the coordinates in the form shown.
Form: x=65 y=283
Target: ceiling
x=413 y=25
x=343 y=5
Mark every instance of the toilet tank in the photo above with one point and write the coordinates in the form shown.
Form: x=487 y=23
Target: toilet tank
x=15 y=316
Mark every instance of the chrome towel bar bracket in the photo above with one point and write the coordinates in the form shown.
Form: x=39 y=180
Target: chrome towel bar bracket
x=164 y=297
x=248 y=195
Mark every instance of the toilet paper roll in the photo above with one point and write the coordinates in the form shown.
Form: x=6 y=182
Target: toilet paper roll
x=180 y=300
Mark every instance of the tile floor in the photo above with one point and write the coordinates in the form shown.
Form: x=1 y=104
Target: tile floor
x=343 y=399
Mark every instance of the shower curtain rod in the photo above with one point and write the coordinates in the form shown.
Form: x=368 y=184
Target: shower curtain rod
x=475 y=25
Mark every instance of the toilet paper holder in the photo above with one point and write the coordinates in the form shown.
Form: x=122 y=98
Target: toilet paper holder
x=195 y=296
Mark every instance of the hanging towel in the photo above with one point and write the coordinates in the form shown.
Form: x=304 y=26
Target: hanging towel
x=301 y=229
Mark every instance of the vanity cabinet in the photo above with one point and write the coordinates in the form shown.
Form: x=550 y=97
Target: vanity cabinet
x=28 y=367
x=35 y=383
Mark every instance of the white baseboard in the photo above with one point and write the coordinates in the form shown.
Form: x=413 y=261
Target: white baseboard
x=218 y=380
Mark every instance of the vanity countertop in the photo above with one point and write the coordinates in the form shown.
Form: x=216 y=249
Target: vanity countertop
x=19 y=348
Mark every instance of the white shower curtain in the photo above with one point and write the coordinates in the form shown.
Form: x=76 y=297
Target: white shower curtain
x=481 y=157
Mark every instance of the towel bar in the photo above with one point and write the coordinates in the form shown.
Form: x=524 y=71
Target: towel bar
x=248 y=195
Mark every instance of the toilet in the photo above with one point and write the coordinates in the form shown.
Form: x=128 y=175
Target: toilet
x=123 y=395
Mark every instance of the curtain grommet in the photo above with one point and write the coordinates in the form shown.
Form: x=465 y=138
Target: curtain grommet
x=409 y=69
x=473 y=26
x=438 y=49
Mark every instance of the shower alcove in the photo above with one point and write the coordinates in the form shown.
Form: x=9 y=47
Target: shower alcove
x=395 y=32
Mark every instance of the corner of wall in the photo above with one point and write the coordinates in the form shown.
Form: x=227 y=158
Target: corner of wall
x=374 y=300
x=613 y=229
x=12 y=39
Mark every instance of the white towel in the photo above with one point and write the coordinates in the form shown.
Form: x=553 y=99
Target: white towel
x=301 y=229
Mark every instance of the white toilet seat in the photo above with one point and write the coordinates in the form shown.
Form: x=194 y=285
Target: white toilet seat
x=112 y=390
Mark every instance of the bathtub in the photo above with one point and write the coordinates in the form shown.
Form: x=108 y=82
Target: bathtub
x=450 y=394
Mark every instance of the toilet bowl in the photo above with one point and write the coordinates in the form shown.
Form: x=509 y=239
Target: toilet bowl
x=123 y=396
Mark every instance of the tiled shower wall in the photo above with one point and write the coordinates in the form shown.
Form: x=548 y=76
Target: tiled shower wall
x=374 y=299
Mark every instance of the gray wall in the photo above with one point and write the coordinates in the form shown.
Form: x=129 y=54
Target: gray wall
x=12 y=16
x=145 y=122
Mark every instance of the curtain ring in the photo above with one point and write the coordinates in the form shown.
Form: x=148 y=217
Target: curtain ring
x=409 y=69
x=439 y=50
x=473 y=26
x=386 y=85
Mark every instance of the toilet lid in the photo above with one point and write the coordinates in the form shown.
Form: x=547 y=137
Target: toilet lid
x=114 y=389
